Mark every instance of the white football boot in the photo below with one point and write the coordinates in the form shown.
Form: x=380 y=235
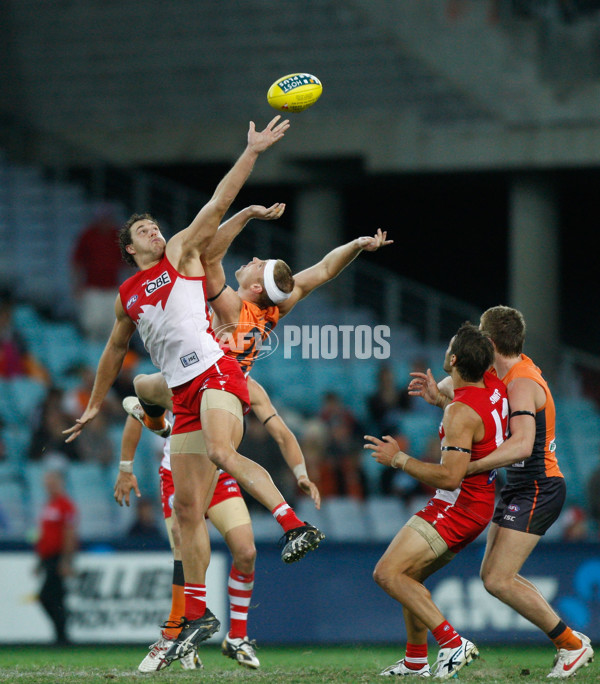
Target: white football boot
x=566 y=663
x=451 y=660
x=399 y=669
x=241 y=650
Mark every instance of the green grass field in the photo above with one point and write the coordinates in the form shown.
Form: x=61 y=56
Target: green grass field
x=299 y=665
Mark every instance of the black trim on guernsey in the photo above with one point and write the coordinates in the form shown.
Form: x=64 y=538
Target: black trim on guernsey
x=451 y=448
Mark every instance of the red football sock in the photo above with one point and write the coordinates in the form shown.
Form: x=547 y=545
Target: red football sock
x=195 y=601
x=446 y=635
x=416 y=656
x=239 y=588
x=286 y=517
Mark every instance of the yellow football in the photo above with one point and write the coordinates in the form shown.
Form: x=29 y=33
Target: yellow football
x=294 y=92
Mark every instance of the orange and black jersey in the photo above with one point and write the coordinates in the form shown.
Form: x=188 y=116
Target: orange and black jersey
x=253 y=328
x=543 y=462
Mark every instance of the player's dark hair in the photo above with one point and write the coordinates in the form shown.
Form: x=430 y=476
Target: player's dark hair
x=125 y=235
x=506 y=327
x=284 y=279
x=474 y=352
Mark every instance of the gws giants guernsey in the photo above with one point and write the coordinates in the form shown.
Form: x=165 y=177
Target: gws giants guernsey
x=477 y=492
x=171 y=315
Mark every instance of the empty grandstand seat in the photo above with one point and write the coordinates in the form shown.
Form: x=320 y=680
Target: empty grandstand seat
x=386 y=515
x=419 y=428
x=26 y=395
x=347 y=519
x=305 y=510
x=15 y=517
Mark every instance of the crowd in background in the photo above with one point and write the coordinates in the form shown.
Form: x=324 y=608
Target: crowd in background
x=331 y=438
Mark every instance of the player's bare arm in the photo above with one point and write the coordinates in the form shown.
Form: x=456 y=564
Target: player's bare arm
x=424 y=385
x=184 y=249
x=524 y=395
x=462 y=426
x=285 y=438
x=331 y=266
x=226 y=303
x=108 y=368
x=126 y=481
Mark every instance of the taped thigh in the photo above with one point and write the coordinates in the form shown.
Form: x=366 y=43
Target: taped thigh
x=429 y=534
x=188 y=443
x=229 y=514
x=218 y=399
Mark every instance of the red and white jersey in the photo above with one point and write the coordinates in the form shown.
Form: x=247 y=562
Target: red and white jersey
x=477 y=492
x=171 y=315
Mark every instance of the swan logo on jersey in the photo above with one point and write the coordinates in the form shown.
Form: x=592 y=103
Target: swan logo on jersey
x=131 y=301
x=153 y=285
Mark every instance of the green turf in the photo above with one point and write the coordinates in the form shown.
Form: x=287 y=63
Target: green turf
x=282 y=665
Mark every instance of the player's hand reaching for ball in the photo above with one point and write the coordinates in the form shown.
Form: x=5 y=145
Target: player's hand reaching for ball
x=271 y=213
x=372 y=244
x=259 y=141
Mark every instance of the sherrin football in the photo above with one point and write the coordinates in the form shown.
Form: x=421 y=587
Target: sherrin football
x=294 y=92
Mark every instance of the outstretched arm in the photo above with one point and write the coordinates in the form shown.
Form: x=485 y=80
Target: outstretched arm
x=460 y=422
x=108 y=368
x=285 y=438
x=227 y=304
x=126 y=480
x=330 y=266
x=203 y=228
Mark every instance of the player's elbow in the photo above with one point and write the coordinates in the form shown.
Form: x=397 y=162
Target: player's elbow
x=450 y=482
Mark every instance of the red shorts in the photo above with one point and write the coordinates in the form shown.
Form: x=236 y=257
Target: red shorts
x=224 y=375
x=455 y=525
x=227 y=488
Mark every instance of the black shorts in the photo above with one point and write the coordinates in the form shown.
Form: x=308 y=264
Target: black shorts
x=531 y=506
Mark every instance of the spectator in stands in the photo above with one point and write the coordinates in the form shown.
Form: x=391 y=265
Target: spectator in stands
x=95 y=445
x=259 y=446
x=97 y=273
x=593 y=499
x=145 y=525
x=388 y=401
x=574 y=524
x=15 y=359
x=76 y=399
x=314 y=444
x=342 y=473
x=55 y=548
x=49 y=423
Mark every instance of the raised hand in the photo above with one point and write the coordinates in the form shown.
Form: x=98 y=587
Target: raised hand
x=271 y=213
x=372 y=244
x=424 y=385
x=259 y=141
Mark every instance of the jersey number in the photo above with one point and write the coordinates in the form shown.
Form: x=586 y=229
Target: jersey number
x=501 y=434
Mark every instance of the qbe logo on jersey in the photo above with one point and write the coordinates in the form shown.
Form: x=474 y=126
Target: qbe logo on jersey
x=153 y=285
